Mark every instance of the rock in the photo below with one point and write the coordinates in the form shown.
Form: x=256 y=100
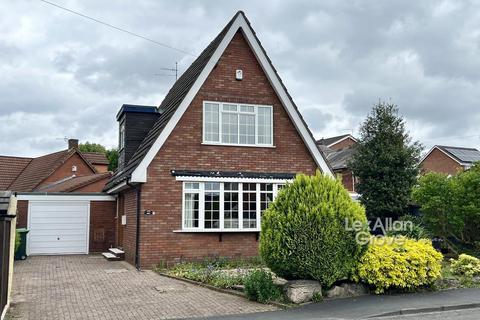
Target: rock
x=299 y=291
x=346 y=290
x=336 y=292
x=238 y=287
x=355 y=289
x=279 y=281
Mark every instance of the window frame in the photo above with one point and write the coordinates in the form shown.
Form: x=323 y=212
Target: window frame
x=238 y=113
x=201 y=205
x=121 y=136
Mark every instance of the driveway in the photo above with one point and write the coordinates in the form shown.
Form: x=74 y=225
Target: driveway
x=90 y=287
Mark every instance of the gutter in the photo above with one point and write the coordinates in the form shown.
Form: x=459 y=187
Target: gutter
x=137 y=231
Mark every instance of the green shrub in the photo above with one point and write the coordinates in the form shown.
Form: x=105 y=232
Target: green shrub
x=259 y=286
x=465 y=266
x=400 y=263
x=414 y=229
x=304 y=235
x=209 y=274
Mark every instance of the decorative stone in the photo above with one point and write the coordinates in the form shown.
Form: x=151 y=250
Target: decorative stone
x=346 y=290
x=299 y=291
x=279 y=281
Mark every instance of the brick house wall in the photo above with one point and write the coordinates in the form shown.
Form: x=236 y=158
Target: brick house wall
x=437 y=161
x=129 y=231
x=22 y=213
x=102 y=225
x=347 y=178
x=347 y=143
x=184 y=150
x=65 y=170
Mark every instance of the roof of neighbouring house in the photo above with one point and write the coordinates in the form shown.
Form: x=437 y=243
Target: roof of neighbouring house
x=339 y=159
x=461 y=154
x=332 y=140
x=73 y=183
x=25 y=174
x=10 y=168
x=95 y=157
x=177 y=94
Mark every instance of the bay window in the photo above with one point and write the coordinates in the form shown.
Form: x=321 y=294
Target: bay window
x=237 y=124
x=226 y=206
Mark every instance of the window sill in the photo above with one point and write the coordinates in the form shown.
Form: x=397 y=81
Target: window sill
x=216 y=231
x=236 y=145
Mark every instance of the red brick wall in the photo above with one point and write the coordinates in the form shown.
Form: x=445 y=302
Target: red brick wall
x=437 y=161
x=102 y=225
x=65 y=170
x=101 y=168
x=22 y=213
x=347 y=178
x=129 y=230
x=183 y=150
x=347 y=143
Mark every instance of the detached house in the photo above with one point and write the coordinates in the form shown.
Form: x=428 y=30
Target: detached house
x=196 y=172
x=449 y=160
x=339 y=151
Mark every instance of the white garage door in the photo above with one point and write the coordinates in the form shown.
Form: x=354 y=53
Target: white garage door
x=58 y=227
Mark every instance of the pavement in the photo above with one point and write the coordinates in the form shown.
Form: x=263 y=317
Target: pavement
x=369 y=306
x=90 y=287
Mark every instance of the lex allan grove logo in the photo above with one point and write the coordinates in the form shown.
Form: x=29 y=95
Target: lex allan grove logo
x=382 y=227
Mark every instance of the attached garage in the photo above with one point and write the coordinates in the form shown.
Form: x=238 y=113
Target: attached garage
x=58 y=227
x=68 y=223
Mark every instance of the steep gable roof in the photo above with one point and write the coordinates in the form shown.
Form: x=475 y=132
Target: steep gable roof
x=10 y=169
x=184 y=90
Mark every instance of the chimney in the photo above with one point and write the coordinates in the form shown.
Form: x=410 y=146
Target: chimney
x=72 y=143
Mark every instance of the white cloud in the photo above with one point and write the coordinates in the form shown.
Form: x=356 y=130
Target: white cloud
x=63 y=75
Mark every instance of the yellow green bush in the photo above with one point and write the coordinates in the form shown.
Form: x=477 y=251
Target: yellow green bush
x=465 y=266
x=399 y=263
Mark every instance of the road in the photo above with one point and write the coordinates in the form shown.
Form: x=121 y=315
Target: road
x=467 y=314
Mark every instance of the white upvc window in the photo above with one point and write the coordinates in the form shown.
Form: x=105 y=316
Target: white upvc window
x=226 y=206
x=237 y=124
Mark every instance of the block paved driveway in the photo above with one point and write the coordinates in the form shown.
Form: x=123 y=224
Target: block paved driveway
x=90 y=287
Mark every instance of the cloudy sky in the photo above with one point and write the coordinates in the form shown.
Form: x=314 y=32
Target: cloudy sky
x=66 y=76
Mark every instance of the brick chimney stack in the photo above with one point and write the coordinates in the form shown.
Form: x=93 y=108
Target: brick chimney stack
x=72 y=143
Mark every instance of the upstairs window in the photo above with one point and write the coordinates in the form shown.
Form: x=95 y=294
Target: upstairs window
x=121 y=136
x=237 y=124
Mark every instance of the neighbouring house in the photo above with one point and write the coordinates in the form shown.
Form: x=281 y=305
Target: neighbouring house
x=339 y=142
x=339 y=151
x=449 y=160
x=60 y=200
x=196 y=172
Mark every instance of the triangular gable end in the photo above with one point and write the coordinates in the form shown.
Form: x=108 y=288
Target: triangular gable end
x=139 y=175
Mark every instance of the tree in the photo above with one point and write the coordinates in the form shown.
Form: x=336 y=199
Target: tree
x=92 y=147
x=385 y=163
x=436 y=194
x=451 y=205
x=111 y=154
